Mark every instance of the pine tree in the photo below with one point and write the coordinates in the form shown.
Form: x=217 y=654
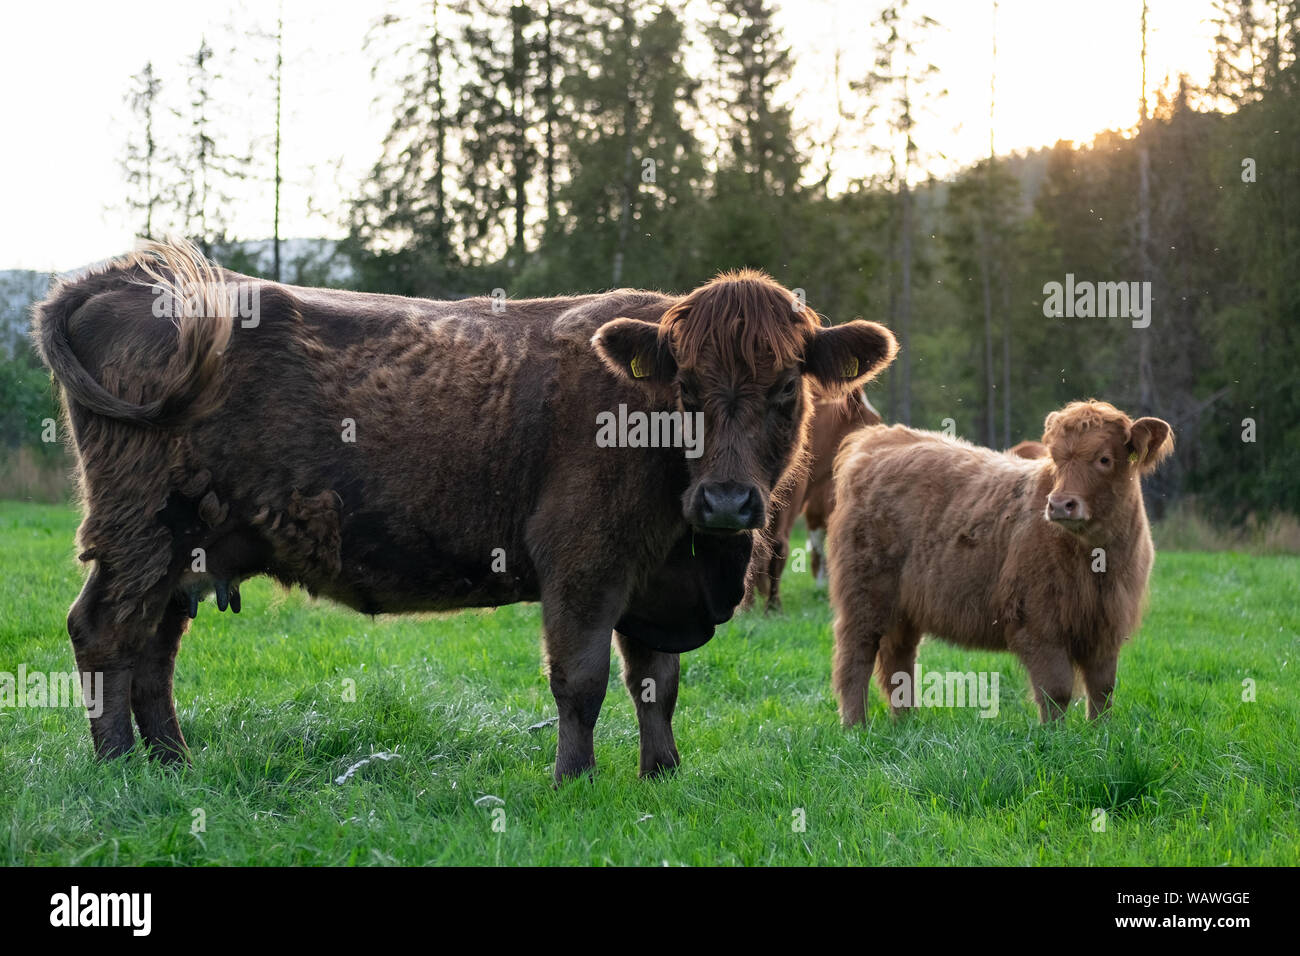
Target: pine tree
x=145 y=160
x=402 y=224
x=208 y=167
x=502 y=99
x=903 y=80
x=753 y=210
x=633 y=165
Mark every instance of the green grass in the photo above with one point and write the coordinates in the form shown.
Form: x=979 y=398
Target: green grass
x=1187 y=772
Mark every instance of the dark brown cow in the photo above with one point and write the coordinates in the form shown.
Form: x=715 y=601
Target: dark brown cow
x=406 y=455
x=813 y=497
x=1047 y=558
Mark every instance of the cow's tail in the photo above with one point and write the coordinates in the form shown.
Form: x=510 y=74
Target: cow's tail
x=200 y=308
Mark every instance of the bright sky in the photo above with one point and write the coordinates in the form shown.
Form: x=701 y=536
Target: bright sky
x=1065 y=70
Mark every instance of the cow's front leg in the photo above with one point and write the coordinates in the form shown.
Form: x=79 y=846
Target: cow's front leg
x=1051 y=674
x=651 y=678
x=577 y=659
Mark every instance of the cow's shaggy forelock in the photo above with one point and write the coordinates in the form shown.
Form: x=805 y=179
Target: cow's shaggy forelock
x=740 y=318
x=1078 y=417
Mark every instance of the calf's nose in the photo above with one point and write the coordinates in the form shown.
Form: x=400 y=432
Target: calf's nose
x=1066 y=508
x=730 y=506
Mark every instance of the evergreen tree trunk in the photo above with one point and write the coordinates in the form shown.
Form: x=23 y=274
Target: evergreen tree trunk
x=519 y=71
x=548 y=91
x=1146 y=397
x=905 y=301
x=279 y=74
x=442 y=242
x=990 y=392
x=629 y=152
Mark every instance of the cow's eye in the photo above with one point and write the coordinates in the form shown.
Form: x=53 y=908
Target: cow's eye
x=1104 y=459
x=787 y=391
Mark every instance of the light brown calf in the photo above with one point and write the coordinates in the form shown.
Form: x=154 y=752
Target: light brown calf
x=1047 y=558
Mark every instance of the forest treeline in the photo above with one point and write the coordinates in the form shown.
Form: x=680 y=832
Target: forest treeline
x=559 y=148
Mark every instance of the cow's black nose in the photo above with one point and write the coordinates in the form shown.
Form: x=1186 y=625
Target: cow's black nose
x=730 y=506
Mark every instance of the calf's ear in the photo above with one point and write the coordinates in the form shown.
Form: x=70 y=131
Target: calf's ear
x=634 y=350
x=842 y=358
x=1150 y=441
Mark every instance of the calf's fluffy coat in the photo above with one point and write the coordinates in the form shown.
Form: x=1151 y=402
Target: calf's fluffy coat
x=402 y=454
x=932 y=534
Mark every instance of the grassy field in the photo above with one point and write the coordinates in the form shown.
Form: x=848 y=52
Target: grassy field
x=1187 y=772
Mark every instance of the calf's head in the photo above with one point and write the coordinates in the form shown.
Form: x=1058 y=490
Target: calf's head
x=1098 y=455
x=747 y=357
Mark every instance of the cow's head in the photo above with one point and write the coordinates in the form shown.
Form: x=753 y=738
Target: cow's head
x=749 y=357
x=1098 y=455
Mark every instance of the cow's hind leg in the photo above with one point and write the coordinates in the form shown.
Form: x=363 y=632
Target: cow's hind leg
x=858 y=633
x=151 y=687
x=105 y=652
x=651 y=678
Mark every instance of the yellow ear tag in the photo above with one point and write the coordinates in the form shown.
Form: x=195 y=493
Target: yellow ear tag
x=1132 y=457
x=640 y=367
x=851 y=368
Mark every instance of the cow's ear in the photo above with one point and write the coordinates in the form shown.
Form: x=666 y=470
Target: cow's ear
x=1047 y=426
x=634 y=349
x=1150 y=441
x=845 y=357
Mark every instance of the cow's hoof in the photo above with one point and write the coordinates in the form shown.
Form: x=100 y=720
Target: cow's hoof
x=169 y=754
x=583 y=773
x=661 y=767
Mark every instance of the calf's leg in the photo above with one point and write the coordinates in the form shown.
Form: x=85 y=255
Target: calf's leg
x=780 y=553
x=1099 y=679
x=857 y=638
x=757 y=584
x=897 y=656
x=817 y=555
x=864 y=601
x=651 y=678
x=1051 y=674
